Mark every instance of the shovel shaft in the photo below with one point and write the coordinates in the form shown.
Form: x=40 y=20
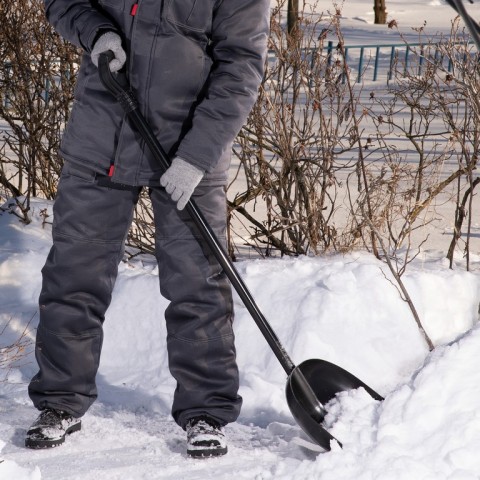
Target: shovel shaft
x=240 y=286
x=302 y=398
x=118 y=86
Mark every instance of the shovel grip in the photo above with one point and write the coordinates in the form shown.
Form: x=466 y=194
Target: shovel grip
x=116 y=83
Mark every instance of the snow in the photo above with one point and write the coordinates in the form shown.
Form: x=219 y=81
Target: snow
x=341 y=308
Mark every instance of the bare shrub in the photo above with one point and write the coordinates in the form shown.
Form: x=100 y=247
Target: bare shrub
x=142 y=232
x=318 y=163
x=433 y=106
x=13 y=354
x=37 y=75
x=295 y=143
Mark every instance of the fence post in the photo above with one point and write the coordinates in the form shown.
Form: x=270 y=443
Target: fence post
x=392 y=59
x=420 y=62
x=375 y=67
x=360 y=64
x=405 y=68
x=344 y=75
x=329 y=53
x=47 y=90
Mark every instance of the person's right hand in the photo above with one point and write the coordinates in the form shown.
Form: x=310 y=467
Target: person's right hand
x=109 y=41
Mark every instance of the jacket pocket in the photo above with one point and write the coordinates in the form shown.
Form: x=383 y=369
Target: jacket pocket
x=191 y=14
x=77 y=171
x=182 y=81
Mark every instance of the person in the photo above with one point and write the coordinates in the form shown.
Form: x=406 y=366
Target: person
x=195 y=67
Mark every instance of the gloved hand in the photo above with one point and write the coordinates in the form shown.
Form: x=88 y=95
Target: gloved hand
x=109 y=41
x=180 y=181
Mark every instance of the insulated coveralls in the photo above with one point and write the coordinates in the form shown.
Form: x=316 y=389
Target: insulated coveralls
x=195 y=67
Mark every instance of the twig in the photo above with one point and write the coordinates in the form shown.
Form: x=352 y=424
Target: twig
x=406 y=296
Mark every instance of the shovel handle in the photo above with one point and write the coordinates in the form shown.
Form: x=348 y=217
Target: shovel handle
x=117 y=84
x=297 y=384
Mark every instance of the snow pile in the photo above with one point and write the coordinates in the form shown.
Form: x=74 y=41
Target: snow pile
x=426 y=429
x=344 y=309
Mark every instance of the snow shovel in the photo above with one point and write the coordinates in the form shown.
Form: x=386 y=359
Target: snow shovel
x=311 y=384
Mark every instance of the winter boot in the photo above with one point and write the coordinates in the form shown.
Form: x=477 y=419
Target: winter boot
x=205 y=438
x=50 y=429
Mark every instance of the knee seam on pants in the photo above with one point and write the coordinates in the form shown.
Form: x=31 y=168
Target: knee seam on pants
x=187 y=236
x=69 y=335
x=89 y=240
x=206 y=340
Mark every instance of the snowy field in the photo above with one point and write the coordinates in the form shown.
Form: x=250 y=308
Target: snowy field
x=344 y=309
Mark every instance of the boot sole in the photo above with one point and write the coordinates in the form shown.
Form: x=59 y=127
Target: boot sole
x=42 y=443
x=207 y=452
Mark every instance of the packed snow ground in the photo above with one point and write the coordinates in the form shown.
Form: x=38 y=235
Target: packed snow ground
x=344 y=309
x=339 y=308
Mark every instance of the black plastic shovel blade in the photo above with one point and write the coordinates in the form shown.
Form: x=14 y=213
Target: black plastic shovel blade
x=326 y=380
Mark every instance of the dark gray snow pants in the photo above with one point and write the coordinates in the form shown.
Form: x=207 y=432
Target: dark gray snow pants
x=90 y=226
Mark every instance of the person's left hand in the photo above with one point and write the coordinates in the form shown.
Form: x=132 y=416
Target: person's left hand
x=180 y=181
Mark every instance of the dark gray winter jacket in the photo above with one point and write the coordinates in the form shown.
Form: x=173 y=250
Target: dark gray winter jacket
x=195 y=66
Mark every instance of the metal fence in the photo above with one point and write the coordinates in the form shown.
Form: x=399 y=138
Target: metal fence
x=378 y=62
x=369 y=62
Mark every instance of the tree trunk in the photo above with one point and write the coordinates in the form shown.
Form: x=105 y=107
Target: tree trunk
x=292 y=16
x=380 y=11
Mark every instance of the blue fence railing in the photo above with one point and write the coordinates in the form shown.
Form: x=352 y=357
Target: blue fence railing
x=369 y=62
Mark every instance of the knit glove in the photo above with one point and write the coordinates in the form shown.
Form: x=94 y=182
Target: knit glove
x=109 y=41
x=180 y=181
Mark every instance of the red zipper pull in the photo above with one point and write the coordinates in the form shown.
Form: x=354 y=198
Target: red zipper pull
x=111 y=170
x=134 y=9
